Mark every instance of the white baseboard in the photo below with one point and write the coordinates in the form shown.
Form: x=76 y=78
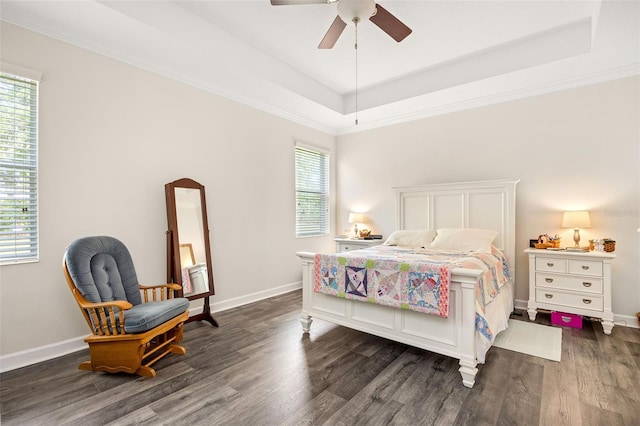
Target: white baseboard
x=27 y=357
x=625 y=321
x=520 y=304
x=254 y=297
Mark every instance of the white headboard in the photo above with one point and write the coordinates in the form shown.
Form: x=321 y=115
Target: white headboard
x=482 y=204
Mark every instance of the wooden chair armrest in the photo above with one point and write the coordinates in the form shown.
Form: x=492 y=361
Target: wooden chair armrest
x=104 y=318
x=173 y=286
x=159 y=292
x=122 y=305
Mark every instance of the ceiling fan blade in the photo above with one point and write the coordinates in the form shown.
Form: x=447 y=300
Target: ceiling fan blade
x=390 y=24
x=330 y=38
x=296 y=2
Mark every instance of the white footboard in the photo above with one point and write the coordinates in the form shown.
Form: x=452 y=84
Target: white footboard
x=453 y=336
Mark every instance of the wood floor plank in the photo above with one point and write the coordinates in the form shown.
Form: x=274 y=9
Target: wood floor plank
x=110 y=404
x=595 y=416
x=634 y=351
x=198 y=402
x=431 y=395
x=28 y=405
x=560 y=395
x=379 y=390
x=607 y=377
x=258 y=368
x=489 y=386
x=352 y=372
x=521 y=404
x=316 y=411
x=144 y=416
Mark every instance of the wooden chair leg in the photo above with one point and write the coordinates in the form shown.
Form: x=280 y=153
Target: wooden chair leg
x=178 y=350
x=145 y=371
x=85 y=366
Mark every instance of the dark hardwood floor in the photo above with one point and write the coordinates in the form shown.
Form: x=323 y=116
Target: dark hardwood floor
x=259 y=369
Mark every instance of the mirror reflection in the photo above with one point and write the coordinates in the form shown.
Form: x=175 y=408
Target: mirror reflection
x=191 y=232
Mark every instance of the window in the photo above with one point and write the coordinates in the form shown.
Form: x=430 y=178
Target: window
x=312 y=192
x=18 y=169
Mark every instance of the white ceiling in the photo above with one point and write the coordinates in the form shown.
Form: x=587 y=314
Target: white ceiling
x=461 y=54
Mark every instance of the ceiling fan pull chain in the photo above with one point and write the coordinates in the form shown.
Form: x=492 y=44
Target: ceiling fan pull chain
x=355 y=21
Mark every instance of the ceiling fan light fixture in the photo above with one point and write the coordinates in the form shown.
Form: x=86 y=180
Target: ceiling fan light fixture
x=354 y=11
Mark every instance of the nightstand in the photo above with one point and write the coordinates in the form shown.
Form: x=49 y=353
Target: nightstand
x=348 y=244
x=573 y=282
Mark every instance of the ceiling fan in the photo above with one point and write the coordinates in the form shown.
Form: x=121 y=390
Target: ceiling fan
x=355 y=11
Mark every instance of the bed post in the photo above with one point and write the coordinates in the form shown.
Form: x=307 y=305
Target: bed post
x=307 y=287
x=468 y=361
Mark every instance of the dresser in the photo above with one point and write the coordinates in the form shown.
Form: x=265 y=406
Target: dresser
x=348 y=244
x=573 y=282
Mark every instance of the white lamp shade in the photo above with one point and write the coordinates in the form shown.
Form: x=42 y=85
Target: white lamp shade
x=576 y=219
x=356 y=217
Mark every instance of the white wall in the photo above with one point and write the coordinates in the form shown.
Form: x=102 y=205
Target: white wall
x=576 y=149
x=111 y=136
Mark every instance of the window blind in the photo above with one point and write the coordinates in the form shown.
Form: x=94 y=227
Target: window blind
x=18 y=169
x=312 y=192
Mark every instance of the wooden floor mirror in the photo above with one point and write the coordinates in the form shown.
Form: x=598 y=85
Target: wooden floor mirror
x=188 y=247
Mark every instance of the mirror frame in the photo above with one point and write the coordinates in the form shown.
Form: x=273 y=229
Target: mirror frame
x=174 y=266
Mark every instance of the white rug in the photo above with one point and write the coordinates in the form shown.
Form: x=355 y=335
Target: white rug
x=532 y=339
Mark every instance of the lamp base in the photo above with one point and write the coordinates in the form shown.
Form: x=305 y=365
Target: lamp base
x=576 y=238
x=577 y=249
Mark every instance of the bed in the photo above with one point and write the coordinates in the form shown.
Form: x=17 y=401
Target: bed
x=487 y=205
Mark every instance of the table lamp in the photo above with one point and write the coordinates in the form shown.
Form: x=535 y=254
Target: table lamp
x=576 y=220
x=355 y=219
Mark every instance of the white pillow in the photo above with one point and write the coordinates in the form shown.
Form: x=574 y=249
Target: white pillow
x=464 y=239
x=411 y=238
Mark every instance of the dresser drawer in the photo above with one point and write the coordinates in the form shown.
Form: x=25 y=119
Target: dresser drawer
x=585 y=267
x=550 y=264
x=350 y=245
x=583 y=284
x=581 y=301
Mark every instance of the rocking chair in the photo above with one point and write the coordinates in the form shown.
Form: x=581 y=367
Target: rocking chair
x=128 y=335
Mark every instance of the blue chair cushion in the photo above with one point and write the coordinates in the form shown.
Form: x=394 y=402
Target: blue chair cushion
x=102 y=269
x=145 y=316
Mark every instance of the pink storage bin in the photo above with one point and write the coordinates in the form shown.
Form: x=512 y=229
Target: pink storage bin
x=567 y=320
x=564 y=319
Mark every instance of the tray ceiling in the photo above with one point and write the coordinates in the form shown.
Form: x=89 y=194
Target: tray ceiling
x=461 y=54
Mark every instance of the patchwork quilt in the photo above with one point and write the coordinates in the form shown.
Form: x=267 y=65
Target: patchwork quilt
x=186 y=281
x=408 y=278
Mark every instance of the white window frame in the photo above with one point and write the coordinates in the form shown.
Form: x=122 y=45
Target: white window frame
x=310 y=221
x=19 y=171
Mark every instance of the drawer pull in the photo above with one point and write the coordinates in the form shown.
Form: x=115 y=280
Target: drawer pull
x=586 y=301
x=585 y=267
x=586 y=284
x=550 y=296
x=549 y=280
x=550 y=264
